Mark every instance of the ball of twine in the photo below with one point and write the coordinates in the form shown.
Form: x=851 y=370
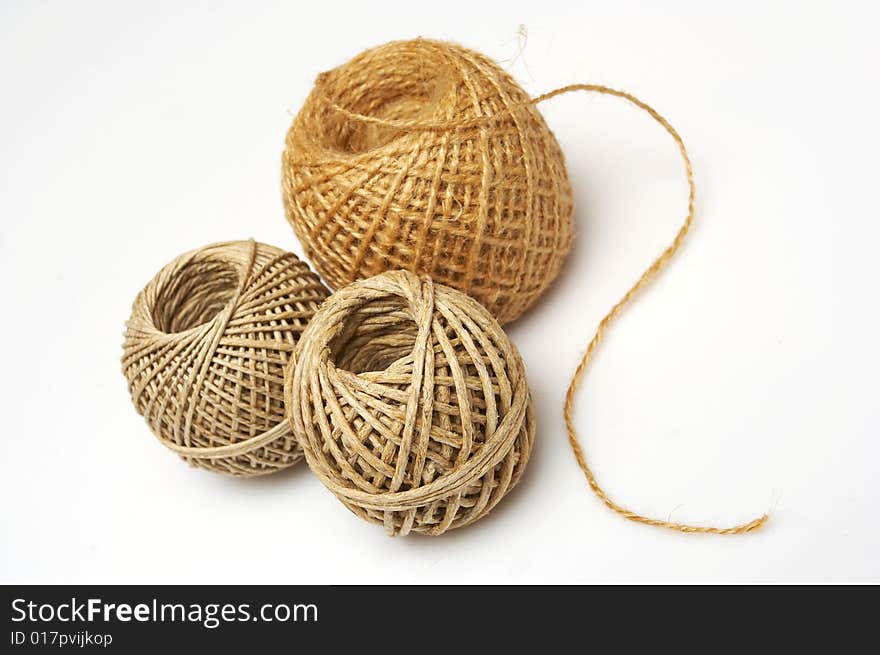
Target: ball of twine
x=426 y=156
x=205 y=350
x=411 y=404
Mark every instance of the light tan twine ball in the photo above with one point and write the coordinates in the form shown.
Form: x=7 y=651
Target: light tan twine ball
x=411 y=404
x=205 y=350
x=427 y=156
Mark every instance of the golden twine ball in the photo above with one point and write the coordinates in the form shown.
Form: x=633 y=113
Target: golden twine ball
x=426 y=156
x=411 y=404
x=205 y=350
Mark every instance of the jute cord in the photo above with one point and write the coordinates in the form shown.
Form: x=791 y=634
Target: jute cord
x=411 y=404
x=649 y=273
x=204 y=353
x=437 y=164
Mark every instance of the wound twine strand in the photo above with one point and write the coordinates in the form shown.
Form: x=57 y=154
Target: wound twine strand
x=411 y=404
x=205 y=350
x=480 y=201
x=426 y=156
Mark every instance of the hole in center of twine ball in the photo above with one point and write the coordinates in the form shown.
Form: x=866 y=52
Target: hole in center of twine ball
x=374 y=336
x=411 y=86
x=193 y=297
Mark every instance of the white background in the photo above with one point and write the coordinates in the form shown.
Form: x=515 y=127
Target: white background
x=745 y=380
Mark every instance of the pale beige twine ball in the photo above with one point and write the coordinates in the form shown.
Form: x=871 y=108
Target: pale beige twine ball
x=411 y=404
x=427 y=156
x=205 y=350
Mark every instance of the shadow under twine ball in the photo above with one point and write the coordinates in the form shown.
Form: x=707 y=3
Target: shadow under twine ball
x=411 y=404
x=205 y=350
x=426 y=156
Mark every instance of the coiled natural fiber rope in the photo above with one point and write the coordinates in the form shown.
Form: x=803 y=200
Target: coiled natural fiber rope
x=411 y=403
x=426 y=156
x=205 y=350
x=484 y=207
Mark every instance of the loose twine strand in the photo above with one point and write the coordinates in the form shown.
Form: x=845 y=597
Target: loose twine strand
x=656 y=266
